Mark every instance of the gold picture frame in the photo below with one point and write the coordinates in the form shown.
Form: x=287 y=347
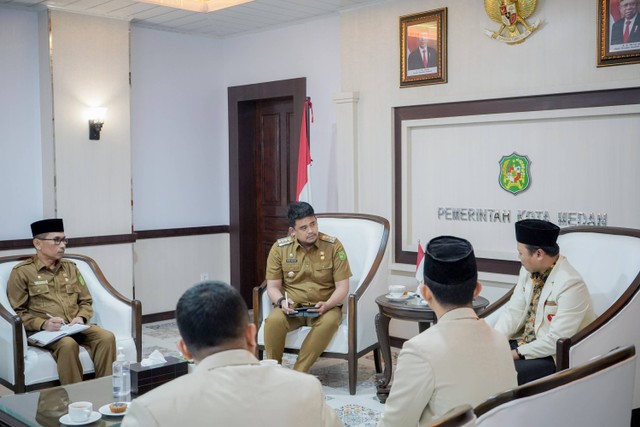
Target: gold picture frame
x=423 y=48
x=618 y=45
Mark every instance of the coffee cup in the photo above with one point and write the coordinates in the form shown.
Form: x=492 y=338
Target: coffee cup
x=80 y=411
x=396 y=291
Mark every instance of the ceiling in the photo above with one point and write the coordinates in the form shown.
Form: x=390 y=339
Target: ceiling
x=245 y=18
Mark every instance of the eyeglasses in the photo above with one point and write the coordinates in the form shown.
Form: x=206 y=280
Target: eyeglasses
x=58 y=240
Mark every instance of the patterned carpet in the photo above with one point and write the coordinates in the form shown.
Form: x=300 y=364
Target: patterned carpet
x=361 y=410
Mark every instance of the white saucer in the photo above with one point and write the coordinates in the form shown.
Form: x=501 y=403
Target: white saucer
x=66 y=420
x=402 y=298
x=104 y=410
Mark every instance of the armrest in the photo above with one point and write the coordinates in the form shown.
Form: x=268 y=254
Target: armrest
x=112 y=310
x=257 y=303
x=12 y=332
x=621 y=308
x=493 y=307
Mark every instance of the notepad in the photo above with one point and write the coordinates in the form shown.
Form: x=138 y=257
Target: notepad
x=304 y=312
x=43 y=338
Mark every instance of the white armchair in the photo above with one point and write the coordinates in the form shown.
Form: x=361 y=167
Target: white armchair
x=595 y=394
x=25 y=368
x=608 y=258
x=365 y=239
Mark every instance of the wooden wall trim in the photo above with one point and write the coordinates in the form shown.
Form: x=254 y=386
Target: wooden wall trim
x=157 y=317
x=590 y=99
x=118 y=239
x=182 y=232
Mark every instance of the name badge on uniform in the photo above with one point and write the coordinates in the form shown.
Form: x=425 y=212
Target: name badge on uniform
x=291 y=260
x=41 y=282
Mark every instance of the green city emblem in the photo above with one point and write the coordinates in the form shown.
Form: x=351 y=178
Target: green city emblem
x=514 y=173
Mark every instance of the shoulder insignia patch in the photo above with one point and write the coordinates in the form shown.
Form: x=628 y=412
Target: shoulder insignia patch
x=25 y=262
x=285 y=241
x=327 y=238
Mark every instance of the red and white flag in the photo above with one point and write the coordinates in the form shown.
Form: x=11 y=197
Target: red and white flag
x=303 y=187
x=420 y=264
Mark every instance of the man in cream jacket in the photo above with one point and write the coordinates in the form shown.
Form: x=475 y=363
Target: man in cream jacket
x=459 y=360
x=550 y=301
x=228 y=387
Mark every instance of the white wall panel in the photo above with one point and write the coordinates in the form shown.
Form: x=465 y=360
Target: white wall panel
x=90 y=63
x=179 y=131
x=20 y=158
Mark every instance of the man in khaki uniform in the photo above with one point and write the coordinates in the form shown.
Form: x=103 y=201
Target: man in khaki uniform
x=313 y=270
x=47 y=292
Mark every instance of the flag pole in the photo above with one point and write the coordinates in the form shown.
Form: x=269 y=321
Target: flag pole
x=303 y=183
x=307 y=106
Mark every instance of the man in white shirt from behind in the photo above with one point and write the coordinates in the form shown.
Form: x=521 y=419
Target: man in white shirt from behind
x=459 y=360
x=228 y=387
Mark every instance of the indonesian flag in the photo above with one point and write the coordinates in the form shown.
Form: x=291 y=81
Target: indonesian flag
x=303 y=187
x=420 y=264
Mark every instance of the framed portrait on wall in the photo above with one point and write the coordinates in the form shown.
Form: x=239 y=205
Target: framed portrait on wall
x=618 y=32
x=423 y=48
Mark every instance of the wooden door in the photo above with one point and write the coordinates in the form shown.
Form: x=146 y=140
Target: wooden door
x=274 y=123
x=264 y=129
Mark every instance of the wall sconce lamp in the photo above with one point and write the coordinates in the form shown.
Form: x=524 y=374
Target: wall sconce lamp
x=96 y=120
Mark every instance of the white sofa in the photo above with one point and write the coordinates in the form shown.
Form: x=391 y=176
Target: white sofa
x=365 y=239
x=24 y=367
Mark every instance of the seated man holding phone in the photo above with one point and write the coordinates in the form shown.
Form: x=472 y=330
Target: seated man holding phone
x=307 y=280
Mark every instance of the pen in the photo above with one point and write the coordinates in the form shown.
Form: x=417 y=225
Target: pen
x=51 y=317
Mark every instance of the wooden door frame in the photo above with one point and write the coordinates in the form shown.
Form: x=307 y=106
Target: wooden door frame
x=242 y=221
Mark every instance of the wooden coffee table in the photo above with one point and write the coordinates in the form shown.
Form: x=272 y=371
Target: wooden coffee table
x=45 y=407
x=410 y=310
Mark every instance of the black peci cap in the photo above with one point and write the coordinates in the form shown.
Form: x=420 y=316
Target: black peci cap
x=53 y=225
x=536 y=232
x=449 y=261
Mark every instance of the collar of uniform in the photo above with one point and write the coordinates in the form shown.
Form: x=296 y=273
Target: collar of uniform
x=297 y=244
x=459 y=314
x=227 y=358
x=40 y=265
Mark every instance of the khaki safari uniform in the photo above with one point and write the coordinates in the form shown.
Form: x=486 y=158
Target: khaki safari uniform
x=35 y=292
x=308 y=277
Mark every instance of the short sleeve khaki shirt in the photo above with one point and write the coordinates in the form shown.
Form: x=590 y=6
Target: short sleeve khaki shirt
x=35 y=292
x=308 y=276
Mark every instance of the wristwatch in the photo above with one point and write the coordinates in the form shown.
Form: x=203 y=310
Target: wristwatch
x=279 y=302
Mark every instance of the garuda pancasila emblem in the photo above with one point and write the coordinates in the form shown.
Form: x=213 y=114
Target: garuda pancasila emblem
x=511 y=15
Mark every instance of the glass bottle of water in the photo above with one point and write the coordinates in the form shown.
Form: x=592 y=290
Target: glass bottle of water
x=121 y=378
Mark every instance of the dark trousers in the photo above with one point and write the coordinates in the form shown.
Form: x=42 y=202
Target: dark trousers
x=532 y=369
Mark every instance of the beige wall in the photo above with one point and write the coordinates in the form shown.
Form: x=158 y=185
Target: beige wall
x=164 y=268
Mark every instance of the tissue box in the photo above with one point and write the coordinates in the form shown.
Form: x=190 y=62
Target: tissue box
x=145 y=378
